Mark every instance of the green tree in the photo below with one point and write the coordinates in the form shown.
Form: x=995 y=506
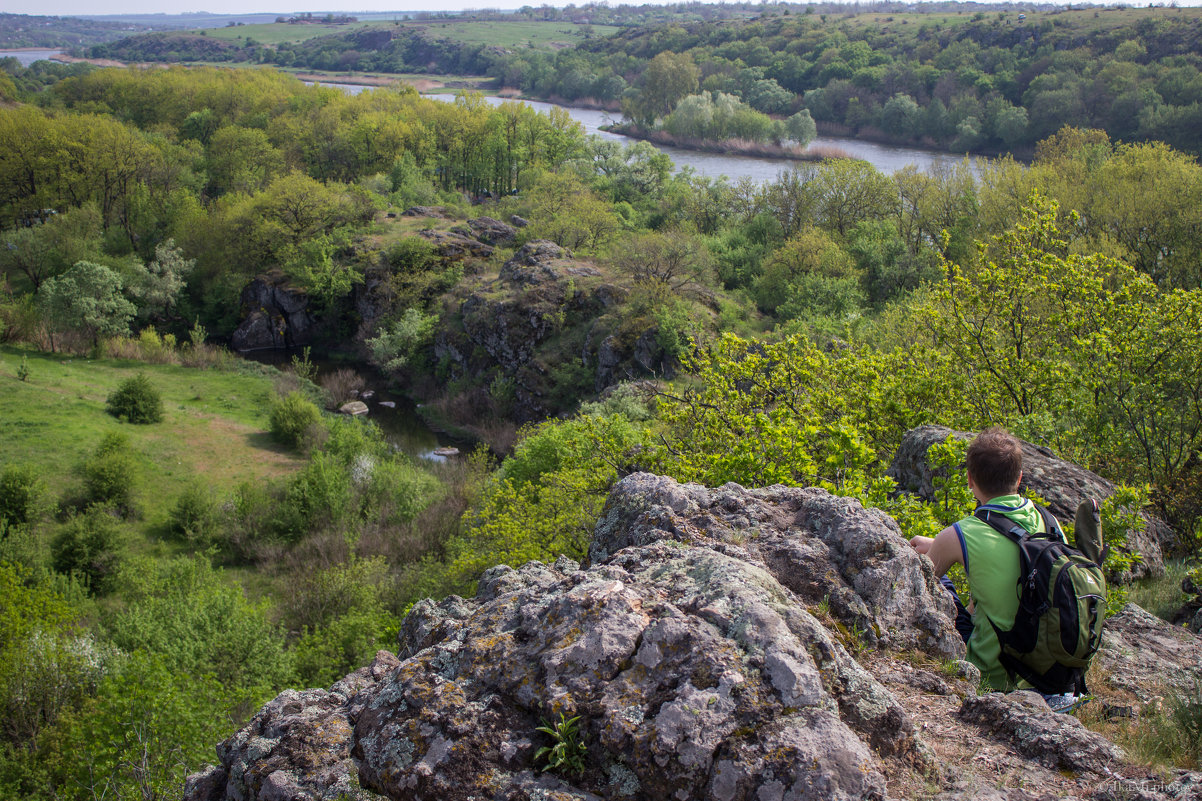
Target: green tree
x=801 y=128
x=91 y=547
x=395 y=344
x=668 y=78
x=23 y=495
x=156 y=286
x=86 y=299
x=136 y=401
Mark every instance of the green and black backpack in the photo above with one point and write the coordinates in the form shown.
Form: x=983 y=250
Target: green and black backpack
x=1061 y=607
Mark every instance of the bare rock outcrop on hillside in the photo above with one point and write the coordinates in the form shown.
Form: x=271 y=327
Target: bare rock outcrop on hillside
x=726 y=643
x=1062 y=484
x=275 y=315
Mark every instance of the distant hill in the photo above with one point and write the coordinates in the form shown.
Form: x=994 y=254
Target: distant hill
x=23 y=30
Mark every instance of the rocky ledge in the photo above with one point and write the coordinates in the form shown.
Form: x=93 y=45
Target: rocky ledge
x=722 y=644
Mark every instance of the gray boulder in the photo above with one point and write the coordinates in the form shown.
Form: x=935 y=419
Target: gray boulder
x=1062 y=484
x=1142 y=654
x=536 y=262
x=822 y=547
x=695 y=672
x=492 y=232
x=1055 y=740
x=456 y=247
x=435 y=212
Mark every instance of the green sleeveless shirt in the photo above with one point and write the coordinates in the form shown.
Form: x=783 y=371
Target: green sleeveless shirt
x=991 y=562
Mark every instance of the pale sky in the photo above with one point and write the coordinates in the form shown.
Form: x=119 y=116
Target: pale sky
x=90 y=7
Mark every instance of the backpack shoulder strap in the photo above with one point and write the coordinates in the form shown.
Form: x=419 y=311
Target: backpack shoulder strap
x=1002 y=524
x=1051 y=526
x=1006 y=526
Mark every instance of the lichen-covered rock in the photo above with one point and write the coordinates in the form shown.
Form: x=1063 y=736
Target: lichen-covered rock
x=1062 y=484
x=535 y=262
x=456 y=247
x=694 y=671
x=1056 y=740
x=491 y=231
x=818 y=545
x=1143 y=654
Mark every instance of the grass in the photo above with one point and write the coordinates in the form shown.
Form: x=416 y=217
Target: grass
x=500 y=33
x=518 y=33
x=1161 y=596
x=281 y=32
x=214 y=428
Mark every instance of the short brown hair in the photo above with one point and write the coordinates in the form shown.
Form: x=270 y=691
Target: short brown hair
x=995 y=462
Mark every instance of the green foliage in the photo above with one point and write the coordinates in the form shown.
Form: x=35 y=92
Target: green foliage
x=86 y=299
x=195 y=518
x=320 y=495
x=567 y=749
x=953 y=499
x=90 y=546
x=22 y=368
x=24 y=496
x=767 y=413
x=136 y=401
x=111 y=474
x=396 y=492
x=340 y=613
x=303 y=366
x=148 y=726
x=395 y=345
x=324 y=655
x=189 y=614
x=156 y=286
x=292 y=419
x=47 y=664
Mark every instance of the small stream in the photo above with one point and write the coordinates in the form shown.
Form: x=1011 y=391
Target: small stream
x=396 y=414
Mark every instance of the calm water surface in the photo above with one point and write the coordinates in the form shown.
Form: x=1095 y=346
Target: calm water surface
x=27 y=57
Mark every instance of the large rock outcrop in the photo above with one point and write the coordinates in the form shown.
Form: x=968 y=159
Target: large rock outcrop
x=1062 y=484
x=727 y=644
x=275 y=315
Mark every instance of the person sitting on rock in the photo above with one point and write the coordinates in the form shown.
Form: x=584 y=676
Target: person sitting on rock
x=994 y=465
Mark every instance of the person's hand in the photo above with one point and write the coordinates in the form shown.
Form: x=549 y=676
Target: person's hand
x=921 y=544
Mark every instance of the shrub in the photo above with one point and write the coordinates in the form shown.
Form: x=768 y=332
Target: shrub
x=194 y=518
x=341 y=386
x=396 y=492
x=90 y=547
x=136 y=401
x=109 y=474
x=22 y=495
x=318 y=496
x=292 y=417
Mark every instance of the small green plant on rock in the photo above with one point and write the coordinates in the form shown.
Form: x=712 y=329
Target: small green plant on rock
x=566 y=753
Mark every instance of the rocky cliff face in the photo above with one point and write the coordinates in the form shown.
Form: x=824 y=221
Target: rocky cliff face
x=716 y=644
x=274 y=316
x=1062 y=484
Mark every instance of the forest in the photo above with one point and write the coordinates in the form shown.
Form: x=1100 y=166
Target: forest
x=184 y=533
x=990 y=80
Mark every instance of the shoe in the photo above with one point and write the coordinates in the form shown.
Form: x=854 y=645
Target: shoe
x=1065 y=702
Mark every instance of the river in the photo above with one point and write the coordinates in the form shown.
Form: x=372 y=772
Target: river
x=886 y=158
x=27 y=57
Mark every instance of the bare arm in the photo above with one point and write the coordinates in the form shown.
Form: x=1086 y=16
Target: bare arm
x=943 y=550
